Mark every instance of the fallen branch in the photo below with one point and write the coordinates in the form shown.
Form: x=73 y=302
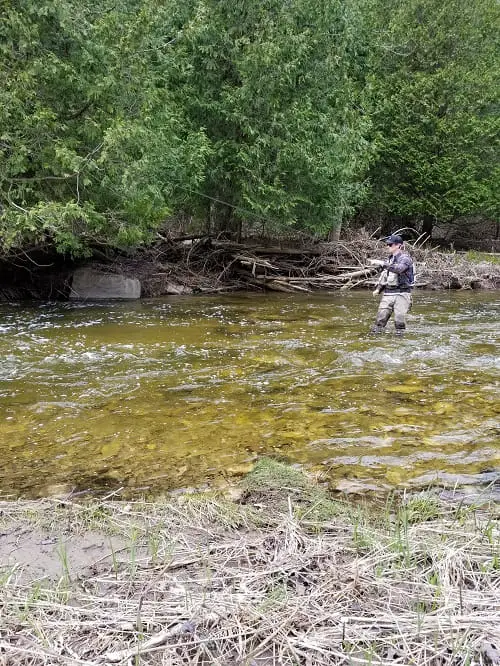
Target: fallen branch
x=279 y=285
x=155 y=641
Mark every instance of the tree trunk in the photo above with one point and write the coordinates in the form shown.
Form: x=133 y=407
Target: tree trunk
x=223 y=219
x=334 y=234
x=427 y=226
x=209 y=218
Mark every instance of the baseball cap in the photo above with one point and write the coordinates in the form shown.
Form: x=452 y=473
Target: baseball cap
x=394 y=238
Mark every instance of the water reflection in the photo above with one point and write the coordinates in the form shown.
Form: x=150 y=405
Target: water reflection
x=188 y=390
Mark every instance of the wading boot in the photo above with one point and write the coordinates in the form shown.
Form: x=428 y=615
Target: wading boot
x=400 y=331
x=376 y=330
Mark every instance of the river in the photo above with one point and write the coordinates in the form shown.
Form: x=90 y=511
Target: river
x=189 y=391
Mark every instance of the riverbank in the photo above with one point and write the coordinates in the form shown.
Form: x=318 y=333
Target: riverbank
x=200 y=265
x=273 y=571
x=206 y=265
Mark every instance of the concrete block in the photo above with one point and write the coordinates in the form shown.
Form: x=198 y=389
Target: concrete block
x=91 y=285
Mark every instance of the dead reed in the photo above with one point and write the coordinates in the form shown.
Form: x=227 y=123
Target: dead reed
x=297 y=578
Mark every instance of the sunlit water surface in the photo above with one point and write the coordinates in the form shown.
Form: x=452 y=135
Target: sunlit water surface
x=189 y=391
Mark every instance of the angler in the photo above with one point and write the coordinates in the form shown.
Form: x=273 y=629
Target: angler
x=395 y=284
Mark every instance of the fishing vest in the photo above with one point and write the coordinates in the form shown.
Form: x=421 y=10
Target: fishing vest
x=400 y=282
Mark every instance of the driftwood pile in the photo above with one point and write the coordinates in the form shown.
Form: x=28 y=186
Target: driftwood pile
x=189 y=265
x=203 y=264
x=291 y=269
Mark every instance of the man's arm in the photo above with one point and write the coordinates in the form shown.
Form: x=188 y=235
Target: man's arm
x=400 y=265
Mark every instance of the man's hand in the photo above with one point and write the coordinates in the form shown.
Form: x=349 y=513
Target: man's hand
x=376 y=262
x=376 y=292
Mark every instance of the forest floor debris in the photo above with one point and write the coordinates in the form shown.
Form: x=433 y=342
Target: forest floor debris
x=279 y=573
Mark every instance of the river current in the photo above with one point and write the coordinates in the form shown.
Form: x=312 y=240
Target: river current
x=189 y=391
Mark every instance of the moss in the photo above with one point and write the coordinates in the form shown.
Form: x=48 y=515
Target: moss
x=477 y=257
x=272 y=482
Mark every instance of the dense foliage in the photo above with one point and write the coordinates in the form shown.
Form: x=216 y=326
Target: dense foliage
x=91 y=138
x=118 y=114
x=272 y=85
x=435 y=80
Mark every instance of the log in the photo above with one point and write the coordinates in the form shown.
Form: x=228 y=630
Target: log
x=274 y=285
x=259 y=249
x=295 y=287
x=355 y=274
x=251 y=261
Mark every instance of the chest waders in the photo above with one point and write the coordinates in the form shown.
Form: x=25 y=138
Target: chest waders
x=397 y=303
x=396 y=298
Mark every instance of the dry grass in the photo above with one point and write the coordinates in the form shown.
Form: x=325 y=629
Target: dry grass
x=204 y=580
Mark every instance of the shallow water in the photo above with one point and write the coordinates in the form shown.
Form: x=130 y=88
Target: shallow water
x=186 y=391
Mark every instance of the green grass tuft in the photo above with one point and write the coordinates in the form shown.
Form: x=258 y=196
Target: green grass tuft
x=272 y=475
x=421 y=509
x=275 y=482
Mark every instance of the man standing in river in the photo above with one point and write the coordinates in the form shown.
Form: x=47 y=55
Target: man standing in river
x=395 y=285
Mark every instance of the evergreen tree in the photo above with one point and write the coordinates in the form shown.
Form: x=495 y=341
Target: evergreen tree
x=434 y=89
x=90 y=139
x=273 y=86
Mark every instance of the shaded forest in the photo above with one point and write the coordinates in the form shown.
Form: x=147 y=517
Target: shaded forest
x=125 y=118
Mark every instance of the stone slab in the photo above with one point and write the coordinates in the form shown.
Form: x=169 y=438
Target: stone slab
x=91 y=285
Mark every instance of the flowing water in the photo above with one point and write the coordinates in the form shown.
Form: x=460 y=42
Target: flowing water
x=189 y=391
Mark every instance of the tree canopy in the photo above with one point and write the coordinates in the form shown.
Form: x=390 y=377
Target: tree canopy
x=272 y=85
x=434 y=83
x=91 y=138
x=116 y=115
